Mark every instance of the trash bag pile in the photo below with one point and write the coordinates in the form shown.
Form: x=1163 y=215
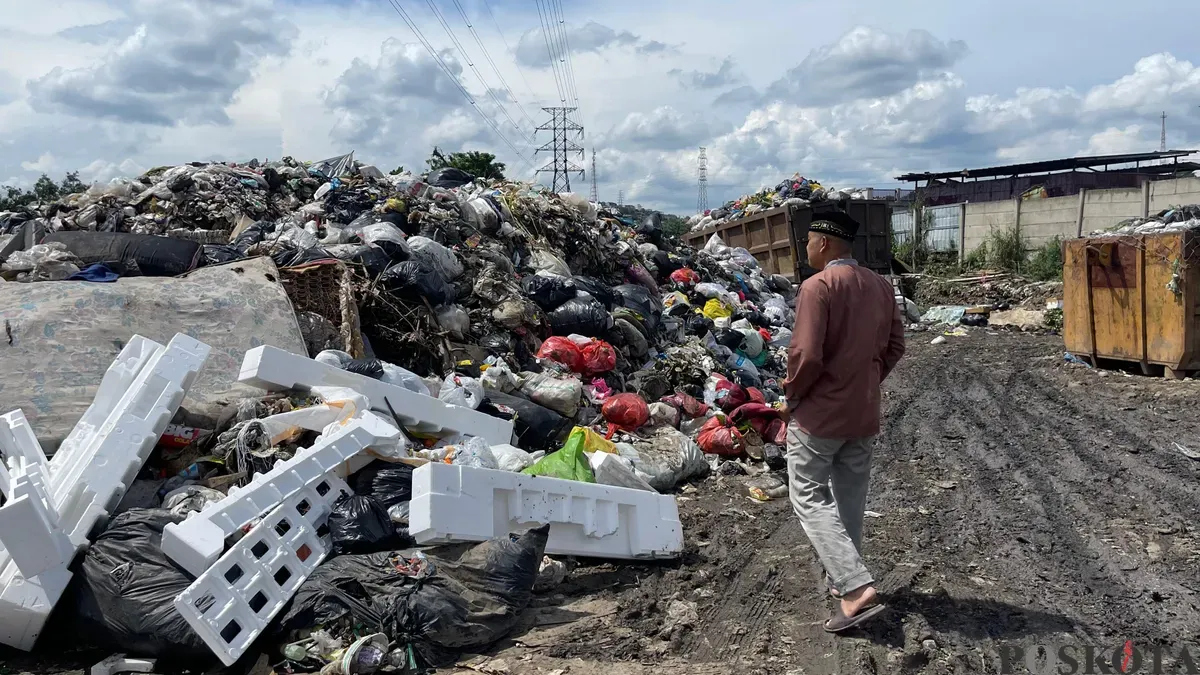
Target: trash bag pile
x=620 y=356
x=794 y=191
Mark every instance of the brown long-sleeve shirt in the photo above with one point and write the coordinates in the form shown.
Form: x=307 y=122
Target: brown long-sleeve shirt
x=848 y=337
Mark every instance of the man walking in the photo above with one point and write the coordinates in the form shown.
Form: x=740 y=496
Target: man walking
x=848 y=337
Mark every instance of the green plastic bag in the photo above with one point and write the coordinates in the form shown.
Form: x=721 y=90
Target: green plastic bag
x=570 y=463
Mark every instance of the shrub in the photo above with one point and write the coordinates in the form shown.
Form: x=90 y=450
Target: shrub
x=1005 y=250
x=1047 y=262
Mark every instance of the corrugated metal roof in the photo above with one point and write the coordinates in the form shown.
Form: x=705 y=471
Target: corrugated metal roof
x=1047 y=166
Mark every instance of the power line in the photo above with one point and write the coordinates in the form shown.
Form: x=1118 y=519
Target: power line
x=562 y=97
x=467 y=57
x=495 y=69
x=566 y=51
x=453 y=78
x=507 y=48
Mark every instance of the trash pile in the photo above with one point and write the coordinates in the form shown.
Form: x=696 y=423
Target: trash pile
x=794 y=191
x=493 y=339
x=1175 y=219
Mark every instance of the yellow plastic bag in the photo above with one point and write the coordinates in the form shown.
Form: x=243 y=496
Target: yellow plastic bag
x=716 y=309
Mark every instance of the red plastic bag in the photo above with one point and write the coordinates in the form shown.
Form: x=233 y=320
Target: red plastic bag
x=597 y=356
x=766 y=335
x=561 y=350
x=762 y=418
x=756 y=396
x=719 y=437
x=687 y=405
x=625 y=411
x=731 y=396
x=685 y=275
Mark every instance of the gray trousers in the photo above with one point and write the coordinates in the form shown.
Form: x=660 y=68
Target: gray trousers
x=827 y=483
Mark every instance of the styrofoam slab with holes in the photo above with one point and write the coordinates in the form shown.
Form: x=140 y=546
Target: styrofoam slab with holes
x=137 y=397
x=274 y=369
x=27 y=515
x=196 y=543
x=231 y=604
x=460 y=503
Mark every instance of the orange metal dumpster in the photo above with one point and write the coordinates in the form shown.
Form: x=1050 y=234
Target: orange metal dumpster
x=1134 y=298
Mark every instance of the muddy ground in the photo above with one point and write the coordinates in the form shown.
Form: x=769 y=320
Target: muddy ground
x=1021 y=500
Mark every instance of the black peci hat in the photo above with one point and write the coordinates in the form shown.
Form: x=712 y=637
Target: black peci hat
x=835 y=224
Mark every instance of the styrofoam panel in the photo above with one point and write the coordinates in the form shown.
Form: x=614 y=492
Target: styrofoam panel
x=104 y=458
x=196 y=543
x=28 y=519
x=18 y=440
x=274 y=369
x=232 y=602
x=451 y=503
x=25 y=604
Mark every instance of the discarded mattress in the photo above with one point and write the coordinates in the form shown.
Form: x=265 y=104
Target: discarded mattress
x=586 y=519
x=65 y=334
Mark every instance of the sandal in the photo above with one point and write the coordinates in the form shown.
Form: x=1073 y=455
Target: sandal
x=839 y=622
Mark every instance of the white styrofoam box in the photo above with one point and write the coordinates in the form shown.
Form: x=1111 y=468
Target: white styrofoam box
x=196 y=543
x=231 y=604
x=18 y=440
x=273 y=369
x=451 y=503
x=109 y=445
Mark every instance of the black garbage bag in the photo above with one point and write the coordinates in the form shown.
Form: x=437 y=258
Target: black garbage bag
x=548 y=292
x=290 y=256
x=597 y=289
x=155 y=256
x=700 y=325
x=122 y=598
x=219 y=254
x=389 y=482
x=449 y=607
x=360 y=524
x=449 y=178
x=536 y=427
x=386 y=236
x=639 y=299
x=413 y=279
x=372 y=258
x=255 y=234
x=728 y=337
x=651 y=228
x=584 y=316
x=371 y=368
x=497 y=344
x=666 y=264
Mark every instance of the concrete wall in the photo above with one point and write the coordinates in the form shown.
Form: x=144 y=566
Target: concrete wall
x=1044 y=219
x=1179 y=192
x=983 y=217
x=1103 y=209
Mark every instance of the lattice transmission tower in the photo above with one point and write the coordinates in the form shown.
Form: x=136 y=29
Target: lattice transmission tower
x=595 y=190
x=1162 y=139
x=562 y=126
x=702 y=183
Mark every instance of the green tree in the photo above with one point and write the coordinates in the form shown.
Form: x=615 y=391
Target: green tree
x=72 y=185
x=397 y=171
x=45 y=189
x=476 y=163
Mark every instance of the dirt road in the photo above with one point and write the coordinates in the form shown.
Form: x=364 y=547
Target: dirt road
x=1020 y=501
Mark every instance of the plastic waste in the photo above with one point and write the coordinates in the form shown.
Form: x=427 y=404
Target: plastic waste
x=535 y=427
x=361 y=524
x=449 y=178
x=415 y=279
x=579 y=315
x=543 y=260
x=719 y=436
x=454 y=320
x=389 y=482
x=512 y=459
x=437 y=257
x=549 y=291
x=561 y=395
x=389 y=238
x=562 y=350
x=627 y=412
x=461 y=390
x=570 y=463
x=474 y=451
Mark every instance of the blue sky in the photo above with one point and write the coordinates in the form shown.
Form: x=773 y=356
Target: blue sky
x=851 y=93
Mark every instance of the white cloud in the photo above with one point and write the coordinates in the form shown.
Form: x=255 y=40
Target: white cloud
x=44 y=164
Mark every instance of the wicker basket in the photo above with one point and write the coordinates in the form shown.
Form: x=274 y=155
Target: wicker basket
x=325 y=288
